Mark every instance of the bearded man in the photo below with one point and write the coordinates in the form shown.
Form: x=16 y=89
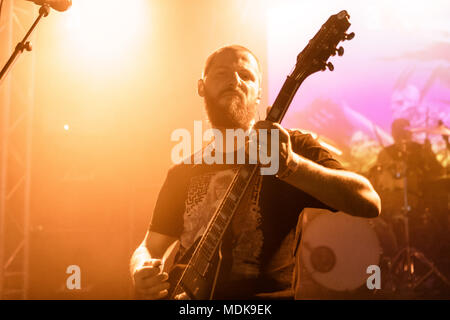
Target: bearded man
x=259 y=246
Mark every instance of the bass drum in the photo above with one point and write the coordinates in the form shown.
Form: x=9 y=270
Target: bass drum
x=337 y=248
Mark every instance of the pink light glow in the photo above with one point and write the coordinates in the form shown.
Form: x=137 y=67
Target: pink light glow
x=398 y=64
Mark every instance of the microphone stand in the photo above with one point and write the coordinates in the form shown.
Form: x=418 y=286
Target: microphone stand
x=24 y=44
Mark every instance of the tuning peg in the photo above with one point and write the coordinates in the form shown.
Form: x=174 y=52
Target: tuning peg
x=28 y=46
x=340 y=51
x=349 y=36
x=330 y=66
x=24 y=46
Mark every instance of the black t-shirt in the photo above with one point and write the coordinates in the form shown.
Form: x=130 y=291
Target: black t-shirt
x=261 y=239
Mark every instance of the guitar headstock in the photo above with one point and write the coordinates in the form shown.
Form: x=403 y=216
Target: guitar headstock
x=315 y=55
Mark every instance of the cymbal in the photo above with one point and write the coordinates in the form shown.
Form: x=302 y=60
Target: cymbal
x=439 y=130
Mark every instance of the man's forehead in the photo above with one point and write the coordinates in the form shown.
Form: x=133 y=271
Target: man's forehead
x=234 y=56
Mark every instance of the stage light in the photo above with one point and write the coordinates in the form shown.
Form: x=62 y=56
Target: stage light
x=66 y=127
x=105 y=31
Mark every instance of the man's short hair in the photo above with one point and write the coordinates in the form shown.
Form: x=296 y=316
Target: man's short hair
x=236 y=47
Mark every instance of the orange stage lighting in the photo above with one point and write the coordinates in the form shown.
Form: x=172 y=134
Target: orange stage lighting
x=105 y=31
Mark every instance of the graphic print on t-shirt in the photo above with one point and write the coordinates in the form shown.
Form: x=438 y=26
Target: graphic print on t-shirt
x=205 y=193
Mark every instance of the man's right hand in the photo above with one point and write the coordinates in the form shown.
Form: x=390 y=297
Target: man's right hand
x=149 y=282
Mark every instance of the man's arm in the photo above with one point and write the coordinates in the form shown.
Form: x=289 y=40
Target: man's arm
x=154 y=246
x=342 y=190
x=145 y=266
x=339 y=189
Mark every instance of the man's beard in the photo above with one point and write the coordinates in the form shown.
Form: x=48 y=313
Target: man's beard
x=234 y=115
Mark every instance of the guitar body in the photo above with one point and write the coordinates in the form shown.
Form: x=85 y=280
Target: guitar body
x=195 y=285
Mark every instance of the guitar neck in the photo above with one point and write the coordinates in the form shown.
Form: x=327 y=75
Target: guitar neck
x=284 y=99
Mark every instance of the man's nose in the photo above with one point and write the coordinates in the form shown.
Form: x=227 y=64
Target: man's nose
x=234 y=80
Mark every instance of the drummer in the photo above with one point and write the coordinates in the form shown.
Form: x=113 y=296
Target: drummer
x=407 y=166
x=404 y=159
x=409 y=155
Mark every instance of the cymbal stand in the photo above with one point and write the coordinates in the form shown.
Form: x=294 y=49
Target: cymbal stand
x=403 y=262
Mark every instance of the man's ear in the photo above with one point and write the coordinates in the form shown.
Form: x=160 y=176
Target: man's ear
x=201 y=88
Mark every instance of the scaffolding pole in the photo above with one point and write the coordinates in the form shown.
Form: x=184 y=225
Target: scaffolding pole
x=16 y=112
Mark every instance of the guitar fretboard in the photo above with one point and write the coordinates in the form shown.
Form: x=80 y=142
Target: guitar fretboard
x=218 y=225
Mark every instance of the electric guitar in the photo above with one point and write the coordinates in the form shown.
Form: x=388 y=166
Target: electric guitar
x=195 y=275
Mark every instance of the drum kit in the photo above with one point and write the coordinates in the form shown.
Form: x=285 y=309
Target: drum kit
x=410 y=241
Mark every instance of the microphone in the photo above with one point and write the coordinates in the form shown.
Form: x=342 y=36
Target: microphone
x=58 y=5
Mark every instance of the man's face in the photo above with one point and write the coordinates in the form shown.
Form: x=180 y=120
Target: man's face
x=399 y=131
x=232 y=89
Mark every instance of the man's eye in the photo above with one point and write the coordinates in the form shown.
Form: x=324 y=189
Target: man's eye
x=246 y=76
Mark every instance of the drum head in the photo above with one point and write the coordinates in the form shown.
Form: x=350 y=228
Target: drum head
x=337 y=249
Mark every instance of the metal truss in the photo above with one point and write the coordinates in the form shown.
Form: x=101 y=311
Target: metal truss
x=16 y=115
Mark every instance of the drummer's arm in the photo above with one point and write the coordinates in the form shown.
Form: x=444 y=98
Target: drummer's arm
x=447 y=142
x=342 y=190
x=431 y=163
